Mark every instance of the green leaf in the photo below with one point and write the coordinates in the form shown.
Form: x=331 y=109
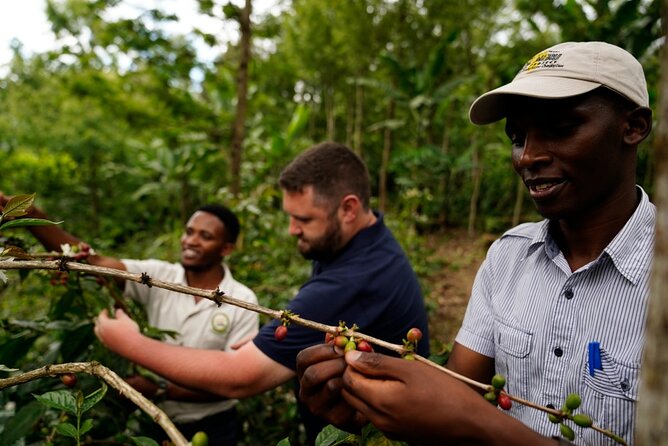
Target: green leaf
x=86 y=426
x=371 y=436
x=332 y=436
x=94 y=398
x=284 y=442
x=59 y=399
x=3 y=277
x=18 y=205
x=21 y=424
x=28 y=222
x=67 y=429
x=144 y=441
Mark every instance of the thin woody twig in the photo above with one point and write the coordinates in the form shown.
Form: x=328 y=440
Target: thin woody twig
x=111 y=378
x=220 y=297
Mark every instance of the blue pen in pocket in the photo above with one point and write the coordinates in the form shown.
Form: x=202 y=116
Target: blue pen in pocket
x=594 y=350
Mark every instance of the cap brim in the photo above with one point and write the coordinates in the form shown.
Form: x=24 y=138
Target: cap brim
x=492 y=106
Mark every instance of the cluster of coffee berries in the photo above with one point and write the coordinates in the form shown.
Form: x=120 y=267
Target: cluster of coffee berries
x=59 y=278
x=497 y=395
x=572 y=402
x=410 y=343
x=348 y=342
x=69 y=379
x=282 y=330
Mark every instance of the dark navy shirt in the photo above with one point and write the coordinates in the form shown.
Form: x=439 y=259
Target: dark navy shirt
x=369 y=283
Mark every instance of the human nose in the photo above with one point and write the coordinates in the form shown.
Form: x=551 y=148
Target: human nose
x=530 y=152
x=294 y=228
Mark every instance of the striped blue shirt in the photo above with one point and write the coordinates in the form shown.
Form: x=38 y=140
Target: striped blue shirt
x=536 y=318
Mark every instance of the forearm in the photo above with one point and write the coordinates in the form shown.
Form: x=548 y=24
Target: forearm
x=235 y=374
x=179 y=393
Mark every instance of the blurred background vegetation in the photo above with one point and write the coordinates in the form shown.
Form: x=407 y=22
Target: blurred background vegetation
x=122 y=130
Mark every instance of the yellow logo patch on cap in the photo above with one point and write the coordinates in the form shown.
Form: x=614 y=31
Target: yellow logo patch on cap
x=544 y=59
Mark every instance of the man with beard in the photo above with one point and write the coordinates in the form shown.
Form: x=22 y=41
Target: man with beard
x=360 y=275
x=558 y=306
x=209 y=236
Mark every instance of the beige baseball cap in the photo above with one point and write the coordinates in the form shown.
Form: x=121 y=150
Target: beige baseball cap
x=565 y=70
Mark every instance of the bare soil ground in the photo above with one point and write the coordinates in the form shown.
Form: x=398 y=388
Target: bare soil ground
x=449 y=286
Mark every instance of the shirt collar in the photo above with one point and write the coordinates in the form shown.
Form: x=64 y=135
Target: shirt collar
x=625 y=250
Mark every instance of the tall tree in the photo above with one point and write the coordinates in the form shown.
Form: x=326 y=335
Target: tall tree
x=652 y=425
x=239 y=126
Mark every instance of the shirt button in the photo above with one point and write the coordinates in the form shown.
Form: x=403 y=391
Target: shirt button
x=558 y=352
x=568 y=294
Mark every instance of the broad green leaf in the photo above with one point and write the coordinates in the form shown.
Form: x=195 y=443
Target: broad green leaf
x=28 y=222
x=67 y=429
x=18 y=205
x=332 y=436
x=59 y=399
x=284 y=442
x=94 y=398
x=86 y=426
x=21 y=424
x=371 y=436
x=144 y=441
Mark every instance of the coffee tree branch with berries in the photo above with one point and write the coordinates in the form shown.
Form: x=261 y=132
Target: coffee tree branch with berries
x=339 y=335
x=72 y=259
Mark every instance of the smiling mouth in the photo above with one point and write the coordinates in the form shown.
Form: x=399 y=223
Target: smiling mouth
x=189 y=253
x=543 y=189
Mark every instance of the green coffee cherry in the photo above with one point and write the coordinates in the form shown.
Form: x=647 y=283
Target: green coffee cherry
x=491 y=397
x=573 y=401
x=498 y=381
x=350 y=345
x=567 y=432
x=582 y=420
x=553 y=418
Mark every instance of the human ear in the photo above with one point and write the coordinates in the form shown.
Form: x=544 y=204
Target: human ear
x=227 y=249
x=638 y=125
x=350 y=205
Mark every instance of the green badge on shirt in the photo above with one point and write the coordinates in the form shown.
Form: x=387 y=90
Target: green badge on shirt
x=220 y=322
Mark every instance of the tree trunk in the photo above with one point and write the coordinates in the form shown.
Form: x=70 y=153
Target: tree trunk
x=385 y=160
x=652 y=416
x=329 y=113
x=443 y=180
x=350 y=121
x=476 y=175
x=239 y=127
x=359 y=117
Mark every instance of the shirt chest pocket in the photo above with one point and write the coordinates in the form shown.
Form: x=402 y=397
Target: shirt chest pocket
x=609 y=394
x=513 y=347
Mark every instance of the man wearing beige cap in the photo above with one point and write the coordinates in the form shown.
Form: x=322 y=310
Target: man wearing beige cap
x=558 y=307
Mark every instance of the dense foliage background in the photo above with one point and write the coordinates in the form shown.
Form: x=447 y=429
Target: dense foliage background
x=122 y=130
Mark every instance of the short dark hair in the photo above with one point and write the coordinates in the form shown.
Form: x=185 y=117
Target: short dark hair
x=230 y=221
x=332 y=169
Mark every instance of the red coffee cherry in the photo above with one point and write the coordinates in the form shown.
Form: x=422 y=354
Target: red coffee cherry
x=504 y=401
x=414 y=335
x=364 y=346
x=329 y=338
x=69 y=379
x=341 y=341
x=281 y=332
